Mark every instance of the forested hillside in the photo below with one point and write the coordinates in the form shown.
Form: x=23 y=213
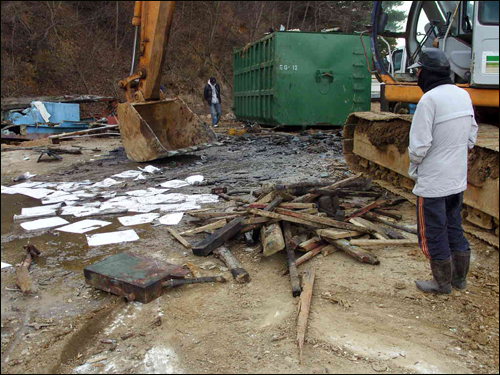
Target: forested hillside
x=85 y=47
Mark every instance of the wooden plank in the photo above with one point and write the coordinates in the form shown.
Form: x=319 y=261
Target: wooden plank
x=336 y=234
x=83 y=131
x=266 y=198
x=303 y=308
x=307 y=198
x=364 y=209
x=329 y=249
x=290 y=254
x=272 y=239
x=218 y=224
x=275 y=202
x=326 y=221
x=367 y=224
x=285 y=217
x=179 y=238
x=311 y=243
x=309 y=211
x=356 y=252
x=212 y=242
x=256 y=220
x=310 y=254
x=239 y=273
x=293 y=206
x=210 y=215
x=374 y=217
x=384 y=242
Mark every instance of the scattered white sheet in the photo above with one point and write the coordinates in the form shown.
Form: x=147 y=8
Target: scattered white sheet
x=31 y=212
x=105 y=183
x=111 y=237
x=174 y=184
x=128 y=174
x=183 y=207
x=33 y=193
x=142 y=192
x=194 y=180
x=202 y=198
x=28 y=185
x=171 y=219
x=138 y=219
x=84 y=226
x=150 y=169
x=162 y=198
x=44 y=223
x=59 y=196
x=140 y=177
x=79 y=211
x=6 y=265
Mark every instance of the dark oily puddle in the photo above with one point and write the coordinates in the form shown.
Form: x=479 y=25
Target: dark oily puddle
x=62 y=250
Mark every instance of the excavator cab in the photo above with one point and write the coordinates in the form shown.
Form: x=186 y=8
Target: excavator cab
x=151 y=126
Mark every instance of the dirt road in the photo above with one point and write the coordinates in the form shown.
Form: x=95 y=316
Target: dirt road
x=364 y=318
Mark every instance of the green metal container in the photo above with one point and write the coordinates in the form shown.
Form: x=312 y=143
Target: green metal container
x=301 y=79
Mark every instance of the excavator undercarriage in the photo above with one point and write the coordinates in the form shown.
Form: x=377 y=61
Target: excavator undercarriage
x=377 y=144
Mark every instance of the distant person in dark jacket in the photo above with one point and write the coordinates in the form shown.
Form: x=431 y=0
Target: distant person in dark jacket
x=211 y=94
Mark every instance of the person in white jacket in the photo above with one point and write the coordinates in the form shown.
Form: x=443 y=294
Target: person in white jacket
x=442 y=131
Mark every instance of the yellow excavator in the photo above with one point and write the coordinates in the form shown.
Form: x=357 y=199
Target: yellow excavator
x=151 y=126
x=377 y=142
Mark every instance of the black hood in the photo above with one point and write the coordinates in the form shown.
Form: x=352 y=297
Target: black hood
x=432 y=78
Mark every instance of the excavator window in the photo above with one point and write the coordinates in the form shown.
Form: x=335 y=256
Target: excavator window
x=488 y=12
x=467 y=16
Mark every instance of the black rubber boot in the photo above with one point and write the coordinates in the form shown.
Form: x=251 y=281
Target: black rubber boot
x=461 y=261
x=442 y=271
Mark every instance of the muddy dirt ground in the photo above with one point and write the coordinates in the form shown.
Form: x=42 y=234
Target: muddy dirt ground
x=364 y=318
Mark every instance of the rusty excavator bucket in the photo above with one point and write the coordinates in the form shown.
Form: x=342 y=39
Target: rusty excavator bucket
x=159 y=129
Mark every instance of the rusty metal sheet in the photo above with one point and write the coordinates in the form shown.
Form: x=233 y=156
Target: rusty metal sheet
x=132 y=276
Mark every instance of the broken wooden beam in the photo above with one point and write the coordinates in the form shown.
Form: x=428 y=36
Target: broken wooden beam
x=332 y=234
x=272 y=239
x=311 y=254
x=376 y=218
x=172 y=283
x=211 y=215
x=307 y=198
x=218 y=224
x=236 y=199
x=276 y=216
x=311 y=243
x=356 y=252
x=294 y=206
x=364 y=209
x=93 y=130
x=367 y=224
x=238 y=272
x=326 y=221
x=179 y=238
x=303 y=308
x=290 y=255
x=384 y=242
x=221 y=236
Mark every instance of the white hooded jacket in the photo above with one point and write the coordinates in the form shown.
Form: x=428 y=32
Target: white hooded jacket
x=442 y=131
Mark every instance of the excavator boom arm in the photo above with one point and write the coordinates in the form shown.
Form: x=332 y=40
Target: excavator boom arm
x=154 y=18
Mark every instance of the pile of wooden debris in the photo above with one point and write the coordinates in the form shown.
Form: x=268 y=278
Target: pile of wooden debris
x=307 y=218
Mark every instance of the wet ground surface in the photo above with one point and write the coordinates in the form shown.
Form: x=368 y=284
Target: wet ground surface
x=363 y=318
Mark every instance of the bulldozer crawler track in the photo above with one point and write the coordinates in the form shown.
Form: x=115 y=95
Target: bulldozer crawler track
x=388 y=167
